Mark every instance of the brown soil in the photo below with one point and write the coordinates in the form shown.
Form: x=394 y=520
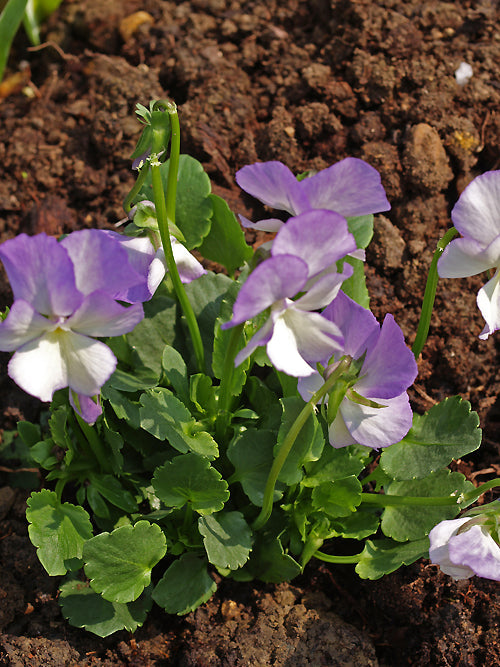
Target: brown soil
x=308 y=83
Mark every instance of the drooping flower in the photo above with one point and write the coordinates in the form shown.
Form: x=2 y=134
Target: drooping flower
x=464 y=547
x=476 y=216
x=350 y=187
x=65 y=296
x=151 y=262
x=296 y=337
x=375 y=410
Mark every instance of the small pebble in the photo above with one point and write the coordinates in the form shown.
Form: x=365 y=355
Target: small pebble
x=463 y=74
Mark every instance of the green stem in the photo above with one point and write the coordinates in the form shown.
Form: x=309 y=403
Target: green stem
x=225 y=394
x=165 y=211
x=430 y=294
x=340 y=560
x=94 y=442
x=289 y=441
x=143 y=172
x=462 y=499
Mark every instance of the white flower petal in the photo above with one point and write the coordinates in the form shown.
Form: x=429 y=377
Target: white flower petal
x=466 y=257
x=188 y=266
x=89 y=362
x=157 y=271
x=39 y=367
x=439 y=554
x=488 y=301
x=476 y=215
x=21 y=325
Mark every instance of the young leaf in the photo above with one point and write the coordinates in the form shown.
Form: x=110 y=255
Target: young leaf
x=251 y=454
x=59 y=531
x=308 y=445
x=111 y=489
x=84 y=608
x=226 y=243
x=407 y=522
x=381 y=557
x=165 y=417
x=334 y=464
x=184 y=586
x=119 y=564
x=361 y=228
x=447 y=431
x=338 y=498
x=227 y=538
x=190 y=478
x=193 y=207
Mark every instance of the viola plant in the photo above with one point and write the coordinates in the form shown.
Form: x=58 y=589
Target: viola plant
x=229 y=422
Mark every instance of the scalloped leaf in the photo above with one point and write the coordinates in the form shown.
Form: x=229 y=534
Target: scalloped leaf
x=381 y=557
x=84 y=608
x=447 y=431
x=58 y=530
x=411 y=522
x=119 y=564
x=190 y=478
x=184 y=586
x=227 y=538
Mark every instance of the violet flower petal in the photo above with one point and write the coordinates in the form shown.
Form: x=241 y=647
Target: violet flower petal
x=350 y=187
x=358 y=325
x=100 y=263
x=41 y=273
x=86 y=407
x=475 y=548
x=318 y=237
x=266 y=225
x=261 y=337
x=273 y=184
x=338 y=433
x=465 y=257
x=476 y=215
x=22 y=325
x=324 y=290
x=100 y=315
x=377 y=427
x=439 y=554
x=275 y=279
x=389 y=367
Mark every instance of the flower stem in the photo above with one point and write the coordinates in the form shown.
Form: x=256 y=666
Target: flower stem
x=143 y=172
x=290 y=438
x=430 y=294
x=165 y=210
x=225 y=394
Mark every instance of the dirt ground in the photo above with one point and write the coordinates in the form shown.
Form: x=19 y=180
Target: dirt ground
x=308 y=83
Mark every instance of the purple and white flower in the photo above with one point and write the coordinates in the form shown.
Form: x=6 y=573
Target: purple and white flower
x=350 y=187
x=375 y=411
x=476 y=215
x=303 y=259
x=64 y=296
x=464 y=547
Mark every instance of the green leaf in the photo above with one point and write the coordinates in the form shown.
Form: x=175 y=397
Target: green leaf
x=357 y=525
x=84 y=608
x=251 y=454
x=361 y=227
x=157 y=329
x=226 y=243
x=193 y=206
x=338 y=498
x=139 y=379
x=167 y=418
x=10 y=20
x=203 y=394
x=58 y=430
x=448 y=431
x=111 y=489
x=59 y=531
x=119 y=564
x=206 y=295
x=174 y=368
x=227 y=538
x=355 y=286
x=184 y=586
x=190 y=478
x=381 y=557
x=409 y=522
x=308 y=445
x=123 y=407
x=29 y=433
x=334 y=464
x=269 y=562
